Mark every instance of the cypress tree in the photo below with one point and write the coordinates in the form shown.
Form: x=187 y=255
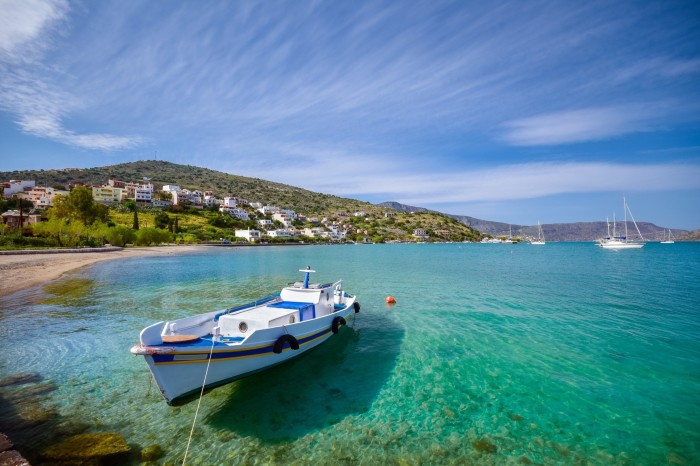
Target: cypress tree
x=136 y=220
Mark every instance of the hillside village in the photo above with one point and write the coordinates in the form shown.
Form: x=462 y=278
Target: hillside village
x=251 y=221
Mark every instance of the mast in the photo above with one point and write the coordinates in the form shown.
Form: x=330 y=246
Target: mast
x=624 y=202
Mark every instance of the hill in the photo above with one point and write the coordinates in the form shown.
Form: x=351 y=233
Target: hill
x=377 y=223
x=579 y=231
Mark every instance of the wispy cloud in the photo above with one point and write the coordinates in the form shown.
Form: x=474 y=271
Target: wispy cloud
x=591 y=124
x=24 y=25
x=40 y=106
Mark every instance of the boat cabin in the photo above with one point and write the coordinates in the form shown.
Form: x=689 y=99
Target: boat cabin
x=296 y=304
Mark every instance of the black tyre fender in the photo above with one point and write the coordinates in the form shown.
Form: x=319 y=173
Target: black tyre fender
x=337 y=323
x=356 y=305
x=283 y=340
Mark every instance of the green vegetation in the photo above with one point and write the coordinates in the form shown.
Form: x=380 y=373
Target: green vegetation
x=77 y=220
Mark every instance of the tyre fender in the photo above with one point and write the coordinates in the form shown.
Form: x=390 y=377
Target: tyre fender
x=283 y=340
x=356 y=306
x=337 y=323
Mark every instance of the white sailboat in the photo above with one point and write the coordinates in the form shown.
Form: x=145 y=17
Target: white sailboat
x=540 y=235
x=509 y=240
x=621 y=242
x=669 y=240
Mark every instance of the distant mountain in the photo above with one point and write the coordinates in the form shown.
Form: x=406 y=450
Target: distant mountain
x=580 y=231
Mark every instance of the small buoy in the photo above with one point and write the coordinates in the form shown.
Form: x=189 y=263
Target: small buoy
x=390 y=300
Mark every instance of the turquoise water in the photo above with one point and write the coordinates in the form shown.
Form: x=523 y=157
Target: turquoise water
x=493 y=354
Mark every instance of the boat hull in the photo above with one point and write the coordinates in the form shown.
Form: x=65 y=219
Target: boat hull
x=621 y=245
x=179 y=370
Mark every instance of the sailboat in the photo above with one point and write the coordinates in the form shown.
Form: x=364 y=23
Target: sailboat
x=669 y=240
x=540 y=235
x=509 y=240
x=621 y=242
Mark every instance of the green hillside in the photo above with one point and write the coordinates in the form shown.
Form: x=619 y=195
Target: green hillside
x=375 y=225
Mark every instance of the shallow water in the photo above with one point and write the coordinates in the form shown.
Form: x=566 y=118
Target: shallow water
x=493 y=354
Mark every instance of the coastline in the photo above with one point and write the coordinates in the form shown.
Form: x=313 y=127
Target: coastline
x=22 y=271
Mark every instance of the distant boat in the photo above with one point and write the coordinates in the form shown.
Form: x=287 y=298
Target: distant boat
x=621 y=242
x=540 y=235
x=510 y=236
x=669 y=240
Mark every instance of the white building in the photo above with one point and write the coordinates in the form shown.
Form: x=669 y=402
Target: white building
x=170 y=188
x=42 y=197
x=256 y=205
x=265 y=223
x=280 y=233
x=13 y=187
x=268 y=209
x=211 y=200
x=251 y=236
x=284 y=217
x=420 y=233
x=315 y=232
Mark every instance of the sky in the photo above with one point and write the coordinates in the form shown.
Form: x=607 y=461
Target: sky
x=517 y=112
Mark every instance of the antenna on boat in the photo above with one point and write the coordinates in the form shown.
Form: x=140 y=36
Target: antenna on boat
x=307 y=271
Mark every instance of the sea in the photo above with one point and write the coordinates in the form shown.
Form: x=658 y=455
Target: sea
x=493 y=354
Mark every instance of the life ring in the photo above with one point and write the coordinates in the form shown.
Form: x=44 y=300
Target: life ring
x=337 y=323
x=283 y=340
x=356 y=305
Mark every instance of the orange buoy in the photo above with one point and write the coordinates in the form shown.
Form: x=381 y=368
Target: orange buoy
x=390 y=300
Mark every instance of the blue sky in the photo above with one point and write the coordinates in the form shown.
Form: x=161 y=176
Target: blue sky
x=508 y=111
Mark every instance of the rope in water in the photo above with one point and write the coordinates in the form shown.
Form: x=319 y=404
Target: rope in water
x=201 y=394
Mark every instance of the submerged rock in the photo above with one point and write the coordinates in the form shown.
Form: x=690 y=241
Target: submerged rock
x=515 y=417
x=85 y=447
x=12 y=458
x=19 y=379
x=5 y=443
x=152 y=452
x=484 y=446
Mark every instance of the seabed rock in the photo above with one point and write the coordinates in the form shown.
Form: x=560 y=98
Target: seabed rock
x=152 y=452
x=484 y=446
x=12 y=458
x=19 y=379
x=88 y=448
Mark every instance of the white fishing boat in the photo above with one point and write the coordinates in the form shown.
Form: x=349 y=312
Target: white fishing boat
x=211 y=349
x=669 y=240
x=540 y=235
x=621 y=241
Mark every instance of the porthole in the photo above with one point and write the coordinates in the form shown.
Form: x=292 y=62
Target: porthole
x=291 y=319
x=243 y=327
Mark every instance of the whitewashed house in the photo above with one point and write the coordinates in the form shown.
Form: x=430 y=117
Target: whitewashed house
x=265 y=223
x=268 y=209
x=252 y=236
x=279 y=233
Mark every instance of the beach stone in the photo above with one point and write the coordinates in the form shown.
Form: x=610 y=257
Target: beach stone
x=484 y=446
x=5 y=443
x=152 y=452
x=12 y=458
x=88 y=447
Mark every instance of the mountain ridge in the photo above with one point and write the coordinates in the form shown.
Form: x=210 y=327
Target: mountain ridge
x=577 y=231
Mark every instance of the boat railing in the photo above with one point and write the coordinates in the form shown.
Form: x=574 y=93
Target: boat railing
x=257 y=302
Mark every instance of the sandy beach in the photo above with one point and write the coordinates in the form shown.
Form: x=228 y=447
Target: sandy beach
x=21 y=271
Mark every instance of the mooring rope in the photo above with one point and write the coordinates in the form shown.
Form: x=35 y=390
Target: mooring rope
x=201 y=394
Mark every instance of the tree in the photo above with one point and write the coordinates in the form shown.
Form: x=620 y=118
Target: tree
x=120 y=236
x=162 y=220
x=66 y=232
x=79 y=205
x=136 y=220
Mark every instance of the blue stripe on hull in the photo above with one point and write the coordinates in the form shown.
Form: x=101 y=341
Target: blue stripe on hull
x=232 y=354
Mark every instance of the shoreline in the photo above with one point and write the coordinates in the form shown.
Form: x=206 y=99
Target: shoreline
x=25 y=270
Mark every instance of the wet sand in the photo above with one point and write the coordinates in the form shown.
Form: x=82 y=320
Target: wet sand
x=21 y=271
